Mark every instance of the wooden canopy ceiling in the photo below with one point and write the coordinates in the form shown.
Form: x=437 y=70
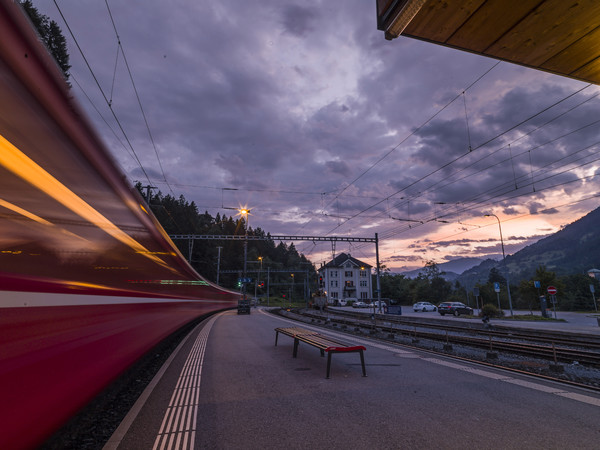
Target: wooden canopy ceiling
x=558 y=36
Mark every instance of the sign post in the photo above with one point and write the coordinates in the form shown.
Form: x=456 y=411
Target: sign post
x=497 y=289
x=552 y=292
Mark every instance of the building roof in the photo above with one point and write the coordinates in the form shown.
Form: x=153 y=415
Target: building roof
x=341 y=259
x=558 y=36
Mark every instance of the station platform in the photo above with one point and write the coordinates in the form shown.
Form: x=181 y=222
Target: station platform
x=228 y=387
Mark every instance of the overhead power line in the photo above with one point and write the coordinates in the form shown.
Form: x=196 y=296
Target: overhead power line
x=137 y=96
x=102 y=91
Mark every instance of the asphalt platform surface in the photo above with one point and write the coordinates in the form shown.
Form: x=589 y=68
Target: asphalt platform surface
x=243 y=392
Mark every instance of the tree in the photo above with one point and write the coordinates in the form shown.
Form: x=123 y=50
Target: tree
x=577 y=295
x=430 y=285
x=178 y=216
x=430 y=271
x=395 y=287
x=496 y=277
x=546 y=278
x=51 y=35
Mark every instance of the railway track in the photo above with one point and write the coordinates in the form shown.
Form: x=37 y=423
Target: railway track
x=557 y=347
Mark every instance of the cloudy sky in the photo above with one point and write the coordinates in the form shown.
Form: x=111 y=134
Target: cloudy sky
x=303 y=112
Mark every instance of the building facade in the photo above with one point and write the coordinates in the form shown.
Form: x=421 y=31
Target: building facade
x=346 y=277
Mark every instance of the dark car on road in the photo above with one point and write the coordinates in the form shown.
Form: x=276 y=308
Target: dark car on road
x=455 y=308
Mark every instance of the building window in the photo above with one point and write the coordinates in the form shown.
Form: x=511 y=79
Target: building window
x=334 y=274
x=334 y=283
x=363 y=283
x=363 y=295
x=363 y=273
x=350 y=283
x=348 y=274
x=334 y=295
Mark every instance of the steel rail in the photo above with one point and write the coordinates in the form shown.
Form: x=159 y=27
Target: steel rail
x=446 y=354
x=583 y=354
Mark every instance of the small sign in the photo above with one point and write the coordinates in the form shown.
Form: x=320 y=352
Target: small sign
x=537 y=284
x=592 y=290
x=476 y=291
x=551 y=290
x=497 y=286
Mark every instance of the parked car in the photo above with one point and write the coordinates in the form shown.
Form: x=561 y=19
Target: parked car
x=424 y=306
x=375 y=305
x=455 y=308
x=359 y=304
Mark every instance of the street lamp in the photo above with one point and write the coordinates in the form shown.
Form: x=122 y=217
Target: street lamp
x=258 y=277
x=504 y=260
x=244 y=212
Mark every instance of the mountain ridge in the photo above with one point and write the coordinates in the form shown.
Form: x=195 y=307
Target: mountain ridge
x=573 y=249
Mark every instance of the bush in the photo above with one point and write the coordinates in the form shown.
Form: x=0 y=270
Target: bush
x=491 y=310
x=350 y=303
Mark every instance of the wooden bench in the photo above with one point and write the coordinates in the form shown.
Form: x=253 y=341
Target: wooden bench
x=323 y=343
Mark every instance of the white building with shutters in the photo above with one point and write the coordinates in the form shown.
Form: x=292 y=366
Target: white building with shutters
x=346 y=277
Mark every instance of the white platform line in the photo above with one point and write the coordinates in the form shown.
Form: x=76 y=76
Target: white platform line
x=180 y=429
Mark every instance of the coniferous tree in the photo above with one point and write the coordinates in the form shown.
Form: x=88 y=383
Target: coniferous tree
x=51 y=35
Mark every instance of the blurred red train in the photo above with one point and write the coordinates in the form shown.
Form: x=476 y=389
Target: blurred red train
x=89 y=281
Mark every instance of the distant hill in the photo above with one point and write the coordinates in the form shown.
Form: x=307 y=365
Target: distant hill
x=574 y=249
x=452 y=268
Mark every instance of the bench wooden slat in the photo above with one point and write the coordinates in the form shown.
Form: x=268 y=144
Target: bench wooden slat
x=323 y=343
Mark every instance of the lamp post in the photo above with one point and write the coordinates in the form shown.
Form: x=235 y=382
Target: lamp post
x=218 y=264
x=245 y=214
x=293 y=285
x=504 y=260
x=258 y=277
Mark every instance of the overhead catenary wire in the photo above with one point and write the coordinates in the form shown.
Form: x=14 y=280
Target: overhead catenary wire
x=529 y=132
x=341 y=193
x=415 y=182
x=102 y=92
x=137 y=96
x=448 y=183
x=488 y=201
x=412 y=133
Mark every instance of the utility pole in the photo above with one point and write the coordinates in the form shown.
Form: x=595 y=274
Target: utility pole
x=148 y=188
x=378 y=271
x=218 y=263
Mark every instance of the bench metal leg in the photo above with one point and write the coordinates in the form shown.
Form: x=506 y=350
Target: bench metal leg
x=322 y=352
x=362 y=361
x=276 y=336
x=296 y=342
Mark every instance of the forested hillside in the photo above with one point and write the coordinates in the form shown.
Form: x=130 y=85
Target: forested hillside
x=280 y=260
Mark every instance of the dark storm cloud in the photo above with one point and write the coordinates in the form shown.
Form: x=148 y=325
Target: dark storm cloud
x=338 y=167
x=510 y=211
x=549 y=211
x=298 y=20
x=269 y=95
x=448 y=138
x=405 y=258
